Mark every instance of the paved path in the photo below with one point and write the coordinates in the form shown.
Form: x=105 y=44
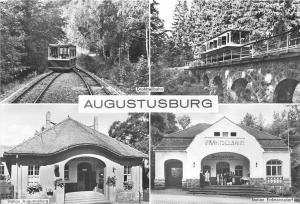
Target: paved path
x=175 y=196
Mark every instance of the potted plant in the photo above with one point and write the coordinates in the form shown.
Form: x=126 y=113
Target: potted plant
x=111 y=182
x=49 y=192
x=34 y=188
x=58 y=183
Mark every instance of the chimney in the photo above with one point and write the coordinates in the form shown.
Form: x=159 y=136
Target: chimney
x=96 y=123
x=48 y=120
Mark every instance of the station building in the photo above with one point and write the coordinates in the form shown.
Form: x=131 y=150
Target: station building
x=221 y=148
x=71 y=157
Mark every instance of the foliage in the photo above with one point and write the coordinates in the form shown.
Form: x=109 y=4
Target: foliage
x=111 y=181
x=108 y=27
x=136 y=128
x=27 y=27
x=250 y=120
x=161 y=124
x=184 y=121
x=34 y=188
x=158 y=33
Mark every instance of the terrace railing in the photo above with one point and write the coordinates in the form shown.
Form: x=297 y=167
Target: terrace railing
x=276 y=44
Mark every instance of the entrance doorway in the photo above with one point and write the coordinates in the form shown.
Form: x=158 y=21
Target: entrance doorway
x=222 y=168
x=173 y=173
x=226 y=168
x=85 y=177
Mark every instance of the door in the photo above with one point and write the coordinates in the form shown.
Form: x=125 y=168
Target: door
x=222 y=168
x=84 y=177
x=173 y=173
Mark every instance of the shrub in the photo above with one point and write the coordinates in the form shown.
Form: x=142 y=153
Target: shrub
x=34 y=188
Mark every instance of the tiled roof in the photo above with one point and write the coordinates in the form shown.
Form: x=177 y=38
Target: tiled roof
x=70 y=133
x=182 y=139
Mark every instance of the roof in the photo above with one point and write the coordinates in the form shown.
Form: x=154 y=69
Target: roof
x=225 y=32
x=181 y=140
x=4 y=148
x=71 y=133
x=61 y=45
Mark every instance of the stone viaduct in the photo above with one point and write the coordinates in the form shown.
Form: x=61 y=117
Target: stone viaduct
x=266 y=79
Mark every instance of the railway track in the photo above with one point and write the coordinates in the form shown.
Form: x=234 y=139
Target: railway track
x=41 y=90
x=35 y=84
x=109 y=90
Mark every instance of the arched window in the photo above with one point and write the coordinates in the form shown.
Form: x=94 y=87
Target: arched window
x=274 y=168
x=238 y=170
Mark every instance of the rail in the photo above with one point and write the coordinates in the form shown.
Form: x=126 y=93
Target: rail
x=85 y=83
x=276 y=44
x=38 y=99
x=109 y=90
x=28 y=88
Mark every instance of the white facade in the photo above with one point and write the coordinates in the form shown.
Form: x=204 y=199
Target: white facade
x=46 y=178
x=240 y=149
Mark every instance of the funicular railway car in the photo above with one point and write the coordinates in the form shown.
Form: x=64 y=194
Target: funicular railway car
x=61 y=57
x=224 y=42
x=221 y=47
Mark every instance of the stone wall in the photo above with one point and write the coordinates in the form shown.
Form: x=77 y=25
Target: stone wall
x=262 y=79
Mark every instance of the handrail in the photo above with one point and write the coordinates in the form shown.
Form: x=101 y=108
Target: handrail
x=251 y=49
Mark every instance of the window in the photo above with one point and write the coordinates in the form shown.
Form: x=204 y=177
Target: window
x=225 y=134
x=2 y=169
x=127 y=173
x=233 y=134
x=223 y=40
x=33 y=174
x=239 y=170
x=66 y=172
x=274 y=168
x=217 y=134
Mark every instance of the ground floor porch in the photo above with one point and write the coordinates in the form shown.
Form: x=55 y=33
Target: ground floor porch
x=223 y=169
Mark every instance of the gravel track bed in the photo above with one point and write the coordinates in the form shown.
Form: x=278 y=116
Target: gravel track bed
x=35 y=91
x=96 y=88
x=65 y=89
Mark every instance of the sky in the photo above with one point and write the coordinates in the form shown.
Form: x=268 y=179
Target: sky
x=19 y=122
x=236 y=112
x=166 y=8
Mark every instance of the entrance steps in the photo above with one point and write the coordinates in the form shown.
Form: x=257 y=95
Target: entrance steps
x=85 y=197
x=235 y=190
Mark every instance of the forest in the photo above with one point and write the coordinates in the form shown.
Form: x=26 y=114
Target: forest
x=285 y=124
x=111 y=36
x=203 y=19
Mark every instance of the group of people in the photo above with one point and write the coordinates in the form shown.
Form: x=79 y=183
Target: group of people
x=204 y=178
x=226 y=178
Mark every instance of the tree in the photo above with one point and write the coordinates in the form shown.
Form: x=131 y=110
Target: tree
x=161 y=124
x=184 y=121
x=158 y=33
x=249 y=120
x=27 y=27
x=134 y=131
